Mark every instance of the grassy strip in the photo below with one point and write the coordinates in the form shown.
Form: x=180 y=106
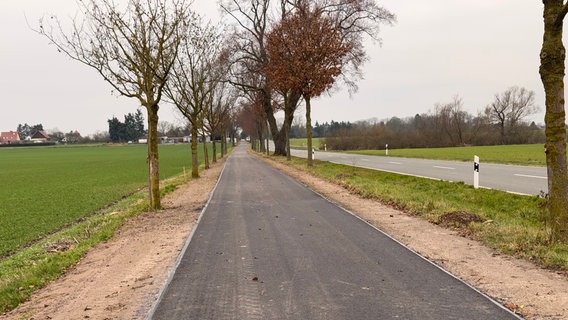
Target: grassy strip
x=302 y=143
x=35 y=266
x=511 y=224
x=526 y=154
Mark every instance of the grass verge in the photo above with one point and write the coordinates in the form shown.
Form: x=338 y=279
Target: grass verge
x=34 y=267
x=511 y=224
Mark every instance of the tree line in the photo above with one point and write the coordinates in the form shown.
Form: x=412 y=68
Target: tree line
x=156 y=51
x=288 y=52
x=153 y=51
x=504 y=121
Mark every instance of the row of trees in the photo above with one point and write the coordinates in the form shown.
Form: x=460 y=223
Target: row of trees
x=151 y=50
x=280 y=51
x=287 y=51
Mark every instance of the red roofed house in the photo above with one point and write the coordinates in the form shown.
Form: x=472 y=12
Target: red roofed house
x=40 y=136
x=9 y=137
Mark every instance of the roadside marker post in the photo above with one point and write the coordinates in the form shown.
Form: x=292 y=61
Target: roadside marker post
x=475 y=172
x=387 y=149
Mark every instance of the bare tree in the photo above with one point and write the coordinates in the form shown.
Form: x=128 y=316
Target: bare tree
x=510 y=109
x=193 y=79
x=133 y=49
x=252 y=119
x=218 y=112
x=552 y=58
x=451 y=120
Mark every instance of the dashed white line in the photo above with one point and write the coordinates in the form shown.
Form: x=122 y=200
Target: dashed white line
x=529 y=176
x=448 y=168
x=392 y=162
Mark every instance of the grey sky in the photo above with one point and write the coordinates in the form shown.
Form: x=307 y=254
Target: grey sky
x=438 y=49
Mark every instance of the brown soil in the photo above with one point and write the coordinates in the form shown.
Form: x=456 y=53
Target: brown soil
x=121 y=278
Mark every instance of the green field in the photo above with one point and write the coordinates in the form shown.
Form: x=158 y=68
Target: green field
x=303 y=142
x=47 y=188
x=526 y=154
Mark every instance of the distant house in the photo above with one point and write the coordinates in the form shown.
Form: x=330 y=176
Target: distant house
x=40 y=136
x=9 y=137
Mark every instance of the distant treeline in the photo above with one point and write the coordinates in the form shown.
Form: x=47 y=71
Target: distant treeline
x=446 y=126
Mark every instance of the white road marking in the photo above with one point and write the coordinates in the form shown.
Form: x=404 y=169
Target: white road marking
x=529 y=176
x=395 y=162
x=448 y=168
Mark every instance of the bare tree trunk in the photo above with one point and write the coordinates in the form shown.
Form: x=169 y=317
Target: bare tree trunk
x=194 y=159
x=153 y=172
x=223 y=144
x=309 y=130
x=214 y=149
x=205 y=151
x=277 y=135
x=260 y=141
x=552 y=57
x=290 y=106
x=288 y=153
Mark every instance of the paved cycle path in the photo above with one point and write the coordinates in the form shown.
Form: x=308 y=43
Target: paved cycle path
x=266 y=247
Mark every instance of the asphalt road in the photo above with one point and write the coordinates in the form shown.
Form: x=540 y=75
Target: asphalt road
x=266 y=247
x=516 y=179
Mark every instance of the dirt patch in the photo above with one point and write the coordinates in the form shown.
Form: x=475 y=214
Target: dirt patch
x=121 y=278
x=459 y=219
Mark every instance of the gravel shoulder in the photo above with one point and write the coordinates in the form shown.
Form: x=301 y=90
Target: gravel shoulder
x=122 y=277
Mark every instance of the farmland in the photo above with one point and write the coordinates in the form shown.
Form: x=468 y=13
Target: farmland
x=523 y=154
x=47 y=188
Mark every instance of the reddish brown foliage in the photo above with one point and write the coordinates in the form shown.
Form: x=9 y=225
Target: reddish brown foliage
x=306 y=52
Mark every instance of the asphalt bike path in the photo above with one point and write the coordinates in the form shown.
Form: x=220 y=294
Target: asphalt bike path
x=267 y=247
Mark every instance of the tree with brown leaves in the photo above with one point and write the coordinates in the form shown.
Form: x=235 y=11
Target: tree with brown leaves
x=306 y=53
x=355 y=19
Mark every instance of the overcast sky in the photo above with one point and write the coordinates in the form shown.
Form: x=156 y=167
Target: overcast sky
x=436 y=50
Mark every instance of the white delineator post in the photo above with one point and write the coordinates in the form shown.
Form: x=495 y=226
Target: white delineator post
x=475 y=172
x=387 y=149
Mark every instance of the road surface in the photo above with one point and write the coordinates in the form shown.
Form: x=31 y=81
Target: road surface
x=266 y=247
x=517 y=179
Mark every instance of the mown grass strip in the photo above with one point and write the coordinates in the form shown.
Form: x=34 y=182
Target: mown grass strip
x=511 y=224
x=34 y=267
